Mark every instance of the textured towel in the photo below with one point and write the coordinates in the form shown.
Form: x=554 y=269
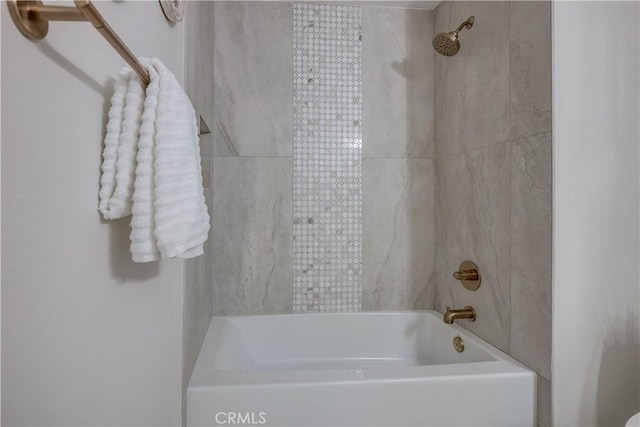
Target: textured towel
x=170 y=216
x=120 y=146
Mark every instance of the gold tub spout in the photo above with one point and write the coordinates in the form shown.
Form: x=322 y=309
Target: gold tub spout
x=466 y=313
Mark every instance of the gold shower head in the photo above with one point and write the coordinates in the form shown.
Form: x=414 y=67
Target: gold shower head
x=447 y=44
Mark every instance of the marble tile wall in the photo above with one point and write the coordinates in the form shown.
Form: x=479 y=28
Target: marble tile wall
x=253 y=158
x=399 y=187
x=327 y=160
x=199 y=58
x=198 y=273
x=544 y=402
x=399 y=234
x=398 y=83
x=531 y=252
x=252 y=220
x=493 y=146
x=253 y=79
x=473 y=202
x=530 y=81
x=252 y=228
x=472 y=88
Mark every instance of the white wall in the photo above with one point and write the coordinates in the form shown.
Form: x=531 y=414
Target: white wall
x=88 y=337
x=596 y=113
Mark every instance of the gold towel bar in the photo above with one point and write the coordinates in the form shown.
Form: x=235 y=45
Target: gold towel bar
x=32 y=19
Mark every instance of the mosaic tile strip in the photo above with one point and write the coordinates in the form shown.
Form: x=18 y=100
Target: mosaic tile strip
x=327 y=158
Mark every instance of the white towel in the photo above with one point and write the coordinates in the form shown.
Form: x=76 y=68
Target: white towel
x=120 y=146
x=170 y=216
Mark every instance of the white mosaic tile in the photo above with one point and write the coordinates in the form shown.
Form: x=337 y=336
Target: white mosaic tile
x=327 y=158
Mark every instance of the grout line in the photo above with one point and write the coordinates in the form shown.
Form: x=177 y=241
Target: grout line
x=493 y=144
x=530 y=136
x=363 y=40
x=510 y=181
x=509 y=72
x=361 y=6
x=295 y=158
x=473 y=149
x=252 y=157
x=398 y=158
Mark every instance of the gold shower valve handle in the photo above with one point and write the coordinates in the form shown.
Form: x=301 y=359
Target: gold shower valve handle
x=469 y=275
x=466 y=275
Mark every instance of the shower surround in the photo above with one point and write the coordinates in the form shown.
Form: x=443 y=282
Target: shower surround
x=452 y=158
x=323 y=181
x=493 y=133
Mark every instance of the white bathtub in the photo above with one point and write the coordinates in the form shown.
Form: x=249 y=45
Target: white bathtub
x=354 y=369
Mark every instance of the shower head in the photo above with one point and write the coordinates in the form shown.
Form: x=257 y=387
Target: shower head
x=447 y=44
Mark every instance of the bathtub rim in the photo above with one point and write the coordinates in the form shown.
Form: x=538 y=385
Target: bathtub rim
x=503 y=365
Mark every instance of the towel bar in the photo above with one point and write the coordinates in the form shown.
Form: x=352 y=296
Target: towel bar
x=32 y=19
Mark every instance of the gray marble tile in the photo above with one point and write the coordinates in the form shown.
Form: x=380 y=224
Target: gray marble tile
x=252 y=226
x=253 y=79
x=206 y=160
x=530 y=67
x=472 y=87
x=397 y=83
x=531 y=252
x=197 y=271
x=206 y=148
x=398 y=234
x=199 y=57
x=544 y=403
x=473 y=223
x=197 y=307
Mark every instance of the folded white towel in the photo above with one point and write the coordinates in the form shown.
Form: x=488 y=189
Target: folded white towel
x=170 y=216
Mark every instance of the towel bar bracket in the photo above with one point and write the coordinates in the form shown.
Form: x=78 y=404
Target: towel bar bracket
x=32 y=19
x=24 y=16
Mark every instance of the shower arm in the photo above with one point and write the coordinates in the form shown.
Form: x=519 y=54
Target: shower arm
x=466 y=24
